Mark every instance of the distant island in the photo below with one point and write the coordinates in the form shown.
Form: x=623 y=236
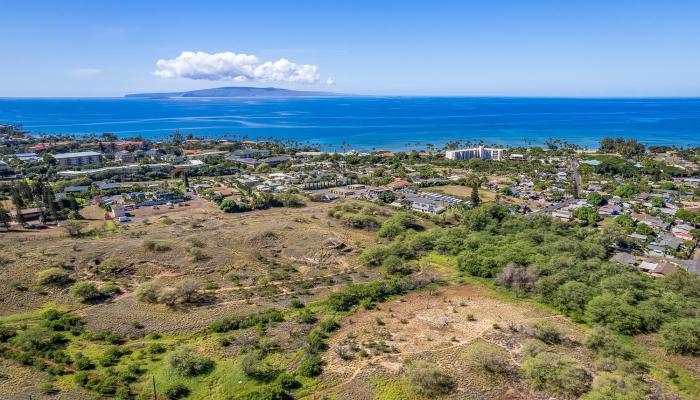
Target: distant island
x=238 y=91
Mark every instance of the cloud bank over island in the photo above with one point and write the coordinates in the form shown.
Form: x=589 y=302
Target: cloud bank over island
x=229 y=66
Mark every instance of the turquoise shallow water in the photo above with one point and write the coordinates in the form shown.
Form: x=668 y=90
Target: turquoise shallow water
x=366 y=123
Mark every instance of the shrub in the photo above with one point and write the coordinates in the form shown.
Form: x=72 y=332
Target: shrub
x=39 y=339
x=427 y=380
x=311 y=366
x=52 y=276
x=493 y=361
x=176 y=392
x=374 y=256
x=183 y=292
x=296 y=303
x=271 y=392
x=112 y=356
x=255 y=367
x=397 y=224
x=519 y=279
x=82 y=363
x=246 y=321
x=308 y=317
x=156 y=348
x=682 y=336
x=85 y=291
x=6 y=333
x=197 y=242
x=556 y=373
x=153 y=246
x=605 y=342
x=546 y=332
x=188 y=362
x=73 y=227
x=198 y=254
x=109 y=289
x=148 y=292
x=111 y=267
x=618 y=387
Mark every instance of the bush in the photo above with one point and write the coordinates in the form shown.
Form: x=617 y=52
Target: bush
x=311 y=366
x=176 y=391
x=618 y=387
x=255 y=367
x=148 y=292
x=605 y=342
x=682 y=336
x=39 y=339
x=397 y=224
x=557 y=374
x=184 y=292
x=85 y=291
x=296 y=303
x=198 y=254
x=153 y=246
x=6 y=333
x=272 y=392
x=428 y=381
x=53 y=277
x=188 y=362
x=82 y=363
x=246 y=321
x=546 y=332
x=109 y=289
x=112 y=356
x=493 y=361
x=73 y=227
x=374 y=256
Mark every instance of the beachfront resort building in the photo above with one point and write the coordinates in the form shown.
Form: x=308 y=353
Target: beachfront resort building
x=80 y=158
x=484 y=153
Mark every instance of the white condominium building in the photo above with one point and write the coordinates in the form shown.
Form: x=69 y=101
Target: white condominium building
x=485 y=153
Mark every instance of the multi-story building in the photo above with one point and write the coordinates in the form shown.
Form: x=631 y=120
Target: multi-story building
x=484 y=153
x=80 y=158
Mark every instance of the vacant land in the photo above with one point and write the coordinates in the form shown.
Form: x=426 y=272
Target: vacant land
x=463 y=192
x=246 y=260
x=448 y=326
x=259 y=305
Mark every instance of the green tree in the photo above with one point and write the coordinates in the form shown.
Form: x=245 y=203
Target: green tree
x=625 y=221
x=572 y=297
x=387 y=196
x=682 y=336
x=613 y=311
x=596 y=200
x=474 y=196
x=587 y=215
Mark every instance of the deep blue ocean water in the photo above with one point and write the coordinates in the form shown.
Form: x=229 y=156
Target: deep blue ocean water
x=366 y=123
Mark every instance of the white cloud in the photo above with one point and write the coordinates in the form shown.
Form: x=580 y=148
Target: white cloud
x=330 y=81
x=80 y=72
x=237 y=67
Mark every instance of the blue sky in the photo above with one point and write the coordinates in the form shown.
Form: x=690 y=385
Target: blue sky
x=496 y=48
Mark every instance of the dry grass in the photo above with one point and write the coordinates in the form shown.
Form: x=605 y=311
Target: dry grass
x=436 y=327
x=251 y=260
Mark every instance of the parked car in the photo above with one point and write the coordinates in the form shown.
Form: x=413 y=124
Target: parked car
x=124 y=219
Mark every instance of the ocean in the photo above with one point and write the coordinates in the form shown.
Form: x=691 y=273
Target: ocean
x=367 y=123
